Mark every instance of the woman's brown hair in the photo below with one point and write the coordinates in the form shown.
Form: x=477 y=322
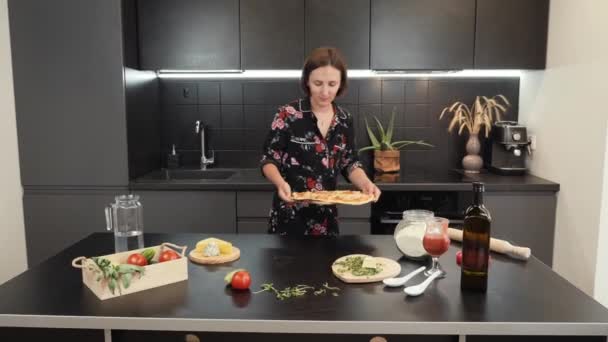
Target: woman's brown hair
x=321 y=57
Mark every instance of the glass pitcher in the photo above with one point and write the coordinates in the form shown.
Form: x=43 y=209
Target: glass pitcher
x=125 y=218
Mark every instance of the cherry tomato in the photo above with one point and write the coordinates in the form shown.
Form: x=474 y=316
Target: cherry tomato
x=241 y=280
x=137 y=259
x=168 y=255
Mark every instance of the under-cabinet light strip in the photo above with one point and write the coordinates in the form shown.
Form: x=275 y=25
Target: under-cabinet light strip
x=351 y=74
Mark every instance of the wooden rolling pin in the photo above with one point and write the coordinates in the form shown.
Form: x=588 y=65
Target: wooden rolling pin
x=497 y=245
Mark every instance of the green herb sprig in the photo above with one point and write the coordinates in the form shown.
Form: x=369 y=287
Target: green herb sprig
x=115 y=274
x=355 y=266
x=298 y=290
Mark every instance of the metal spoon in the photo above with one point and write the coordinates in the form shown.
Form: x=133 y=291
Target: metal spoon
x=417 y=290
x=400 y=281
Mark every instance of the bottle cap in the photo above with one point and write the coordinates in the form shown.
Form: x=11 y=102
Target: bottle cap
x=478 y=186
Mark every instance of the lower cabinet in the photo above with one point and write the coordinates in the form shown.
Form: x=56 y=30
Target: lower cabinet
x=189 y=211
x=252 y=225
x=55 y=219
x=154 y=336
x=46 y=334
x=526 y=219
x=253 y=209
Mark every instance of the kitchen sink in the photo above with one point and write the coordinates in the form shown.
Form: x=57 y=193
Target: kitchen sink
x=198 y=174
x=186 y=174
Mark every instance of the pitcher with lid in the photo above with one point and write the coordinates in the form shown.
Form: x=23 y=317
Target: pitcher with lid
x=125 y=218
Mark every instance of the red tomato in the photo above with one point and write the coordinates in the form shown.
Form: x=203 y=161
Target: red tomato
x=137 y=259
x=241 y=280
x=168 y=255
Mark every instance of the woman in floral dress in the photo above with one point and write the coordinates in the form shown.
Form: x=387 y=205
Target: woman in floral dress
x=311 y=141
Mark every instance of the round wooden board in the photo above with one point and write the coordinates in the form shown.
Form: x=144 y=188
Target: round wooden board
x=198 y=257
x=390 y=269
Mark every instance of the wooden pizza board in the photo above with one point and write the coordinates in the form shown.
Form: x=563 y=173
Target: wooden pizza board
x=199 y=258
x=390 y=269
x=362 y=201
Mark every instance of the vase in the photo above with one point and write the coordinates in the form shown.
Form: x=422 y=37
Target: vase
x=386 y=161
x=472 y=162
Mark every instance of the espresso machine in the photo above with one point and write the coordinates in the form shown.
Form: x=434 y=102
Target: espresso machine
x=510 y=145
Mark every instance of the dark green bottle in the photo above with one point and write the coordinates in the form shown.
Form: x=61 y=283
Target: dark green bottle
x=476 y=243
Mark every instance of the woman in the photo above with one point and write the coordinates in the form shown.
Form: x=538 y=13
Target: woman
x=310 y=142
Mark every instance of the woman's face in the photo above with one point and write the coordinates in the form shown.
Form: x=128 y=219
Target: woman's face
x=323 y=84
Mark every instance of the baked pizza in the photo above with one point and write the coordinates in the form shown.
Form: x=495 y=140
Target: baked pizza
x=334 y=197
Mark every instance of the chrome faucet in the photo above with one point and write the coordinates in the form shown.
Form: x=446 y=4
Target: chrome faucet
x=200 y=129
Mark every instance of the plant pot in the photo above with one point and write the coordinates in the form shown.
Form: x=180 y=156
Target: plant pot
x=387 y=161
x=472 y=162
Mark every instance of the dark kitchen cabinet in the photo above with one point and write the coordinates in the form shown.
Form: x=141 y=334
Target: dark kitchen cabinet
x=511 y=34
x=189 y=34
x=162 y=336
x=56 y=219
x=526 y=219
x=422 y=34
x=340 y=23
x=69 y=94
x=272 y=34
x=188 y=211
x=47 y=334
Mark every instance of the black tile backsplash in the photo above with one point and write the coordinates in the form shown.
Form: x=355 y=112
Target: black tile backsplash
x=417 y=91
x=232 y=116
x=393 y=92
x=238 y=114
x=208 y=93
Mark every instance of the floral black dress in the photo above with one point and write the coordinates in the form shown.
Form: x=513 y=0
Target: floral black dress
x=308 y=162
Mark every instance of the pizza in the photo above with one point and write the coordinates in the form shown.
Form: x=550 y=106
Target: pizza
x=334 y=197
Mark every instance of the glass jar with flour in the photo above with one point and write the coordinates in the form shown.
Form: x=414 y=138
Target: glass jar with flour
x=409 y=233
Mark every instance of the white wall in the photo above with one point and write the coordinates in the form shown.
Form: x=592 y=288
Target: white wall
x=601 y=269
x=12 y=235
x=564 y=106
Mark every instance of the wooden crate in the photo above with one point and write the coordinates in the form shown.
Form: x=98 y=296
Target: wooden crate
x=155 y=275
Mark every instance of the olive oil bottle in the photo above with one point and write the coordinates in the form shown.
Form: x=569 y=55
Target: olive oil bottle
x=476 y=244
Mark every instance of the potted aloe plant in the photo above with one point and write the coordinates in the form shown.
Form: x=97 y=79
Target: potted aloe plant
x=482 y=114
x=387 y=152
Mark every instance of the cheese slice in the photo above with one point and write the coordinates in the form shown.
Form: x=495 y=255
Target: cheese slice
x=370 y=262
x=225 y=246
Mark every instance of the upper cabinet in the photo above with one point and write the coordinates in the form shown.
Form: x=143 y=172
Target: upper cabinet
x=511 y=34
x=340 y=23
x=68 y=53
x=272 y=34
x=189 y=34
x=422 y=34
x=372 y=34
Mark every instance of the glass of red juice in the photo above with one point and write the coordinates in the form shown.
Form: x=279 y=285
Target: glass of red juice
x=436 y=242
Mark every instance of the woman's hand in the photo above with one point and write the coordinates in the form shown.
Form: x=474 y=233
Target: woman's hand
x=284 y=191
x=371 y=189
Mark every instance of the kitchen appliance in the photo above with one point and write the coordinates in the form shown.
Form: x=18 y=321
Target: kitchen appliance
x=388 y=211
x=510 y=144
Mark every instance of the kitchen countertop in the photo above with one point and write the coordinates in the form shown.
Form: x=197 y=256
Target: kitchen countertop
x=450 y=180
x=523 y=298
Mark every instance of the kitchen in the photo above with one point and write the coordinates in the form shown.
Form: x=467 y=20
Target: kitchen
x=89 y=136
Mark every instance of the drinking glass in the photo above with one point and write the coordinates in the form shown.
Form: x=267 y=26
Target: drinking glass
x=436 y=242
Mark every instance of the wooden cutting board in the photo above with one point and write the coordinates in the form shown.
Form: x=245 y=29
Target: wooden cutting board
x=390 y=269
x=199 y=258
